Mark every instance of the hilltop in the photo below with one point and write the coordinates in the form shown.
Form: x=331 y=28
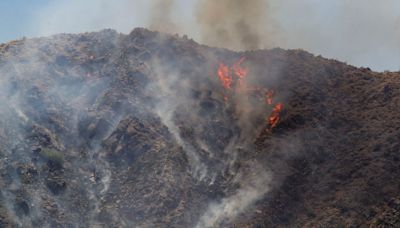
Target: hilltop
x=109 y=129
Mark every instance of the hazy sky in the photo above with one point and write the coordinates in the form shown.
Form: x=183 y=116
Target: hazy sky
x=359 y=32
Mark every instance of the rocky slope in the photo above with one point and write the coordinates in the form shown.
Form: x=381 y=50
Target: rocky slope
x=111 y=130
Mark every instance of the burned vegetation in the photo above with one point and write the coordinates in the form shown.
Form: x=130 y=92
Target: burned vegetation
x=153 y=130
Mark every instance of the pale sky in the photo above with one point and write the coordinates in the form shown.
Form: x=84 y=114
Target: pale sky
x=359 y=32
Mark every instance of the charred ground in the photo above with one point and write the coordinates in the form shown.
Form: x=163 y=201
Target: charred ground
x=130 y=130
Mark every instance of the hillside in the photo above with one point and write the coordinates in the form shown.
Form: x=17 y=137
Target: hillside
x=111 y=130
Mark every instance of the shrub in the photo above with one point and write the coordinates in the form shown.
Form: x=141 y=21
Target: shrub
x=52 y=155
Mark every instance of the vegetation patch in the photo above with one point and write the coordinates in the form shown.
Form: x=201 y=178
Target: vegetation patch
x=52 y=154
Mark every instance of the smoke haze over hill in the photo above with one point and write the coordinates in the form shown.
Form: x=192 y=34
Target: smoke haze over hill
x=363 y=33
x=149 y=129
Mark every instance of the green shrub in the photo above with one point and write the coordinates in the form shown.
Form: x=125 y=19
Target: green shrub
x=52 y=155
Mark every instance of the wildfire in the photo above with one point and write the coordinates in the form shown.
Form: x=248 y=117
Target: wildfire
x=241 y=74
x=224 y=76
x=269 y=95
x=274 y=117
x=227 y=75
x=235 y=78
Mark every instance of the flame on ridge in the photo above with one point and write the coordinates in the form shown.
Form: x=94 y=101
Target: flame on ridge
x=233 y=79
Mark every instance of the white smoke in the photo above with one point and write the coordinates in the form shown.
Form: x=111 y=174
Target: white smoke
x=253 y=185
x=353 y=31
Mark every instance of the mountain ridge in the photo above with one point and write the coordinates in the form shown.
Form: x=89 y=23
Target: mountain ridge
x=110 y=129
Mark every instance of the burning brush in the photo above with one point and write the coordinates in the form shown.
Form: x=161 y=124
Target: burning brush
x=233 y=81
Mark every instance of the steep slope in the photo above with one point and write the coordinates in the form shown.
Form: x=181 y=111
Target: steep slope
x=106 y=129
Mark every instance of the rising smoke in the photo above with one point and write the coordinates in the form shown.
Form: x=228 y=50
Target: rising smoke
x=44 y=100
x=232 y=24
x=240 y=25
x=353 y=31
x=235 y=24
x=161 y=16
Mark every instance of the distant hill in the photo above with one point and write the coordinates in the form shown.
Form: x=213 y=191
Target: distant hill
x=111 y=130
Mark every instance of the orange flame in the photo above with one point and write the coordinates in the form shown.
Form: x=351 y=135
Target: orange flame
x=235 y=76
x=274 y=117
x=269 y=95
x=241 y=74
x=224 y=76
x=238 y=70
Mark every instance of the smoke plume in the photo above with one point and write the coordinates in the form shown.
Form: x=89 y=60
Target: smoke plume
x=234 y=24
x=354 y=31
x=160 y=16
x=254 y=184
